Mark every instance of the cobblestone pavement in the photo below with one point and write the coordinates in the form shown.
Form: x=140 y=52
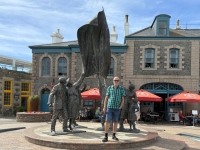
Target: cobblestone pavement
x=168 y=138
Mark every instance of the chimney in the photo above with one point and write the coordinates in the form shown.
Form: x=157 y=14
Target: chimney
x=177 y=25
x=126 y=26
x=57 y=37
x=113 y=36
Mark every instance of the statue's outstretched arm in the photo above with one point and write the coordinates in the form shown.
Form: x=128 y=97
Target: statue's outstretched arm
x=51 y=96
x=78 y=83
x=83 y=89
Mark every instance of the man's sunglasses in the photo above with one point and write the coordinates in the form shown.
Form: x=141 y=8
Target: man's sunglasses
x=116 y=80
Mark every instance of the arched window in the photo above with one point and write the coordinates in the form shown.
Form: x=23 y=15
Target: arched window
x=46 y=66
x=111 y=70
x=62 y=66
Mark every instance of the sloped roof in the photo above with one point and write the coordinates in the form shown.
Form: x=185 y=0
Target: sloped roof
x=173 y=32
x=68 y=43
x=144 y=32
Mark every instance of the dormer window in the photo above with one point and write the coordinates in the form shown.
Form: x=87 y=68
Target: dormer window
x=160 y=25
x=162 y=28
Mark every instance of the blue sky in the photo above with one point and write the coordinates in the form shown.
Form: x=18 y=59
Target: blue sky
x=31 y=22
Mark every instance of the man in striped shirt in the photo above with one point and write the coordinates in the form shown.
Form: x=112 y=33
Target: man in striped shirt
x=113 y=103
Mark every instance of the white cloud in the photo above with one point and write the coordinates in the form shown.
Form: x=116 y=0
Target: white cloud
x=27 y=22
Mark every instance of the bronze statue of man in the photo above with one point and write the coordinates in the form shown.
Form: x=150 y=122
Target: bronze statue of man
x=58 y=98
x=73 y=98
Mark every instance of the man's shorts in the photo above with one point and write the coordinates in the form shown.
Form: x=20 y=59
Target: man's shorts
x=112 y=114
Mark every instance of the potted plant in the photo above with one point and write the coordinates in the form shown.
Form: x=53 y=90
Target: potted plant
x=34 y=101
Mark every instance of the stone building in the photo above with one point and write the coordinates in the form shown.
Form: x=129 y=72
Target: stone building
x=165 y=62
x=161 y=60
x=15 y=88
x=62 y=59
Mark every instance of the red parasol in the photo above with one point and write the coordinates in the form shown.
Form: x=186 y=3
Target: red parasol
x=184 y=96
x=92 y=94
x=145 y=96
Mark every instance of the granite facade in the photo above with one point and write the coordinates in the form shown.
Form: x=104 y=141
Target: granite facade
x=17 y=77
x=40 y=81
x=161 y=70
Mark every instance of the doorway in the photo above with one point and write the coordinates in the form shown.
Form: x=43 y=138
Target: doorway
x=44 y=100
x=164 y=90
x=160 y=106
x=24 y=102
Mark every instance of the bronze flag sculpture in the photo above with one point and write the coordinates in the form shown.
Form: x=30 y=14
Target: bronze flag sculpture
x=94 y=43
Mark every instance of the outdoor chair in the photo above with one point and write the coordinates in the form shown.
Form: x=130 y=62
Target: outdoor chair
x=147 y=118
x=181 y=121
x=142 y=116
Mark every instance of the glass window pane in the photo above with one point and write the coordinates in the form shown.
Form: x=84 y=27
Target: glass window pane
x=149 y=58
x=162 y=24
x=162 y=31
x=62 y=66
x=25 y=87
x=46 y=66
x=111 y=70
x=7 y=98
x=7 y=85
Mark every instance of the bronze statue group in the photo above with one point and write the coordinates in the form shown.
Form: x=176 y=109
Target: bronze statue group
x=65 y=98
x=94 y=44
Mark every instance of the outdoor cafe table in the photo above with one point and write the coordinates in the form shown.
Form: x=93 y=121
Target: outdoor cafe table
x=153 y=117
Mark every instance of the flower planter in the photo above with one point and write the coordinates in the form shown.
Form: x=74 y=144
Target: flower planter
x=33 y=105
x=33 y=116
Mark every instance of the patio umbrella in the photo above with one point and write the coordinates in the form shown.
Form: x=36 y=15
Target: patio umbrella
x=92 y=94
x=145 y=96
x=184 y=96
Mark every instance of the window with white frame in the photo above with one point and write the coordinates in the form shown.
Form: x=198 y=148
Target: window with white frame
x=62 y=66
x=149 y=58
x=111 y=70
x=162 y=28
x=46 y=66
x=174 y=58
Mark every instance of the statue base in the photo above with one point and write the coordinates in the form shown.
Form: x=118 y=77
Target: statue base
x=63 y=133
x=91 y=139
x=128 y=130
x=78 y=126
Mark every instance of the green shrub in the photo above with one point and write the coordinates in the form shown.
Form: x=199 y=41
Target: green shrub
x=34 y=98
x=19 y=109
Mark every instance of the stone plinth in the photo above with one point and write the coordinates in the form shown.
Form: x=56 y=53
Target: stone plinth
x=91 y=139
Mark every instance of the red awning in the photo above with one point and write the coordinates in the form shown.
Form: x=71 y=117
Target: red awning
x=145 y=96
x=92 y=94
x=184 y=96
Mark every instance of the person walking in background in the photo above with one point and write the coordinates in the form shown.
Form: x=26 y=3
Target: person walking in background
x=138 y=112
x=113 y=103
